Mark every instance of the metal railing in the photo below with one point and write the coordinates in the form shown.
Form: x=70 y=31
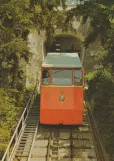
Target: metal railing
x=29 y=158
x=9 y=151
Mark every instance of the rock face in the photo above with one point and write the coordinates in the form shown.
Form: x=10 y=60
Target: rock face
x=90 y=54
x=36 y=44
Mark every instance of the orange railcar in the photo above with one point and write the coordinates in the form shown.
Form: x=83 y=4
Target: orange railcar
x=61 y=89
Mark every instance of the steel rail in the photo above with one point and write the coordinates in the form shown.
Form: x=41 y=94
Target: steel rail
x=100 y=151
x=48 y=149
x=73 y=140
x=20 y=124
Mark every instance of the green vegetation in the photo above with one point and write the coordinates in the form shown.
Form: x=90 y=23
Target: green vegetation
x=17 y=18
x=100 y=93
x=101 y=84
x=12 y=102
x=48 y=18
x=14 y=28
x=9 y=114
x=15 y=24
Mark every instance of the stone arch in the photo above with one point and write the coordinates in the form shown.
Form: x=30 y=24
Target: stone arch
x=67 y=42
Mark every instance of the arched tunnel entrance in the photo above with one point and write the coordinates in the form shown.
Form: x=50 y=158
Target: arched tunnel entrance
x=64 y=44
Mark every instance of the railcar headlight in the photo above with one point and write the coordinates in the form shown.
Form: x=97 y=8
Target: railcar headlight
x=62 y=98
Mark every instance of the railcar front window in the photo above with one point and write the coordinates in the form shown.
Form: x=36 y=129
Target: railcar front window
x=77 y=77
x=62 y=77
x=46 y=77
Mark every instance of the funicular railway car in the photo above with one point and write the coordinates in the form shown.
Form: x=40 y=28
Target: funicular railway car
x=61 y=90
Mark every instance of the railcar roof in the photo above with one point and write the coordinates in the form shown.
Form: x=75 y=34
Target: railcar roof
x=59 y=60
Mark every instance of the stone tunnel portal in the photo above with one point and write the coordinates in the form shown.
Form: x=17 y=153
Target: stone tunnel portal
x=65 y=44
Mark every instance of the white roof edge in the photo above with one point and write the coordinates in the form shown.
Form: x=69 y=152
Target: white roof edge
x=62 y=53
x=51 y=66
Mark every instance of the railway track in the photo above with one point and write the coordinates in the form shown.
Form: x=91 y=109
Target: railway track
x=52 y=143
x=100 y=152
x=57 y=143
x=63 y=144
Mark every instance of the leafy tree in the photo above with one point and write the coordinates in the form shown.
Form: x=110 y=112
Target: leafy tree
x=98 y=14
x=101 y=85
x=47 y=16
x=17 y=18
x=9 y=114
x=15 y=23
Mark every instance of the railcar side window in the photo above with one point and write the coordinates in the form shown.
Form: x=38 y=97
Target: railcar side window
x=46 y=77
x=77 y=77
x=62 y=77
